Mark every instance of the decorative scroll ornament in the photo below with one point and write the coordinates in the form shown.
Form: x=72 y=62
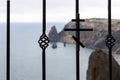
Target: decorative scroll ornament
x=110 y=41
x=43 y=41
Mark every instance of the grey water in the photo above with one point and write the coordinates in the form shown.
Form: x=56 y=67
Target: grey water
x=26 y=55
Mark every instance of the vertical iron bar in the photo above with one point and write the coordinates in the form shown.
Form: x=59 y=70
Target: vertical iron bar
x=8 y=42
x=43 y=65
x=78 y=37
x=77 y=50
x=43 y=54
x=44 y=16
x=110 y=63
x=109 y=32
x=43 y=42
x=109 y=17
x=77 y=7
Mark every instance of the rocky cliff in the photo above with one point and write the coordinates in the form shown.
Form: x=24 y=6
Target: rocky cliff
x=53 y=34
x=98 y=67
x=95 y=38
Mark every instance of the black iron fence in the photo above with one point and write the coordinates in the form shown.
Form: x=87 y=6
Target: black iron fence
x=43 y=41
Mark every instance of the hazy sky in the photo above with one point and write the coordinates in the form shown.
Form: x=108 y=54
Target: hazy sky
x=57 y=10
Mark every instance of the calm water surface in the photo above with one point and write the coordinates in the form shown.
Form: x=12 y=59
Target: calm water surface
x=26 y=55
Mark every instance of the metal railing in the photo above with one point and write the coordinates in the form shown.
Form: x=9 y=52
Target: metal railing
x=43 y=41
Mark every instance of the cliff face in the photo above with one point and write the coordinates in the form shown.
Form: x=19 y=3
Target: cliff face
x=97 y=72
x=95 y=38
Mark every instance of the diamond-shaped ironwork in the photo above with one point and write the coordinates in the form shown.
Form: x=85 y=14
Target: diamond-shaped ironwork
x=43 y=41
x=110 y=41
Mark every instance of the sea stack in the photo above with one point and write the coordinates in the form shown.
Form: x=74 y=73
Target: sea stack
x=53 y=34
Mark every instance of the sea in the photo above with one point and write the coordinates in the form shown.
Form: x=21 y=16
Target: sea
x=26 y=55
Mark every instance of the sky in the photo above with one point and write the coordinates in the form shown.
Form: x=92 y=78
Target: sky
x=57 y=10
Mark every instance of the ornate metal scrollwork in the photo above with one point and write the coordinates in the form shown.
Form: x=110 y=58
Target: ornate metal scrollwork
x=43 y=41
x=110 y=41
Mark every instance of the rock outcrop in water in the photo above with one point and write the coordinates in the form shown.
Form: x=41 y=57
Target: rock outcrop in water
x=96 y=38
x=98 y=67
x=53 y=34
